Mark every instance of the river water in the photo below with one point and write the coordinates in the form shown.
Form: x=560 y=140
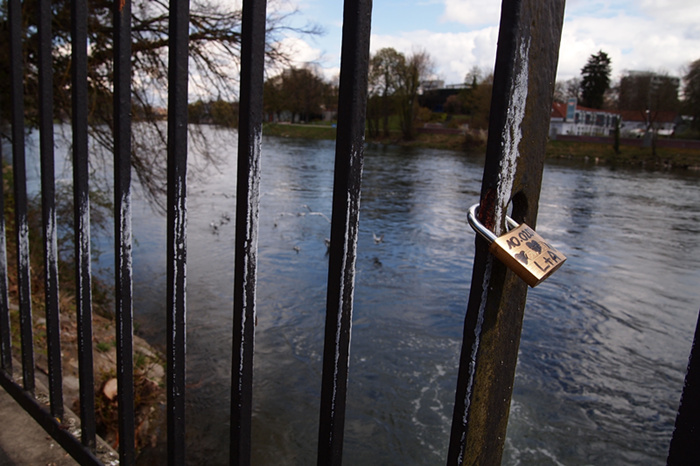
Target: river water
x=605 y=340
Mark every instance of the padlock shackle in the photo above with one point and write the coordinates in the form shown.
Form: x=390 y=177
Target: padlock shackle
x=479 y=227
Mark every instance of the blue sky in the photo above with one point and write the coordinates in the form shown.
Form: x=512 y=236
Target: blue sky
x=655 y=35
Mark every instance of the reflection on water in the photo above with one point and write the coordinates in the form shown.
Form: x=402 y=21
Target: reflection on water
x=605 y=340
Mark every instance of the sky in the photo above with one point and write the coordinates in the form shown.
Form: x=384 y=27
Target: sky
x=638 y=35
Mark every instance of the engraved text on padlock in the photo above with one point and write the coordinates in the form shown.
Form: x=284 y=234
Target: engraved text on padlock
x=527 y=254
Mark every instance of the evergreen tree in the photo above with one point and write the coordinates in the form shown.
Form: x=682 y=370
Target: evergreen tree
x=595 y=80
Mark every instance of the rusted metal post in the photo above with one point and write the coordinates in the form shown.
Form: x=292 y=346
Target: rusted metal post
x=526 y=63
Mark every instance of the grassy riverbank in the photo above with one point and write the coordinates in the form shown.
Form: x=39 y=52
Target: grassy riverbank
x=585 y=152
x=665 y=158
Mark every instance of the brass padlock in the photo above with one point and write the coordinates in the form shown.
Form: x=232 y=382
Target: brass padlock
x=521 y=249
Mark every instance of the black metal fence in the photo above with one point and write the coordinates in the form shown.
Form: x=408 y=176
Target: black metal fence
x=352 y=102
x=529 y=40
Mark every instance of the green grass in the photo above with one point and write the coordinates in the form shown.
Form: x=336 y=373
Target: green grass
x=104 y=346
x=629 y=156
x=571 y=150
x=311 y=131
x=140 y=360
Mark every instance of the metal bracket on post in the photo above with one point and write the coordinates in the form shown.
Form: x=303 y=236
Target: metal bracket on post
x=526 y=63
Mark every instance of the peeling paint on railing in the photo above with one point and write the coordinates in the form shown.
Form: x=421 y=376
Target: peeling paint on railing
x=512 y=135
x=344 y=228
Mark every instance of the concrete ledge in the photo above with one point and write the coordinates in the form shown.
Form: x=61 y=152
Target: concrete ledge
x=23 y=441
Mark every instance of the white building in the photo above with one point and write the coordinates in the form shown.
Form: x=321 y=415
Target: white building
x=572 y=119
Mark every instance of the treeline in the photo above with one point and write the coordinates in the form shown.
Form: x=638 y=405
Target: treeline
x=213 y=112
x=396 y=101
x=400 y=97
x=297 y=95
x=473 y=101
x=302 y=95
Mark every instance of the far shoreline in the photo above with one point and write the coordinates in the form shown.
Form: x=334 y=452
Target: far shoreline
x=600 y=153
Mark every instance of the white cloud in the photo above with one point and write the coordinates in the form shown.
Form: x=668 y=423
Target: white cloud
x=286 y=6
x=300 y=51
x=331 y=75
x=636 y=34
x=472 y=12
x=673 y=12
x=649 y=38
x=658 y=35
x=454 y=54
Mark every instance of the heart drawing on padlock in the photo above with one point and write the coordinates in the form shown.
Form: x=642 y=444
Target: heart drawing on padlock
x=521 y=249
x=535 y=246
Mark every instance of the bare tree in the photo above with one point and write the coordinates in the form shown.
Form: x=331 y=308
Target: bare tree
x=565 y=90
x=300 y=91
x=385 y=69
x=214 y=52
x=474 y=76
x=419 y=66
x=394 y=84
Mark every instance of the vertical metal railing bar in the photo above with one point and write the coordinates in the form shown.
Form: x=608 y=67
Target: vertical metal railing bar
x=5 y=339
x=483 y=262
x=20 y=191
x=48 y=205
x=246 y=243
x=122 y=229
x=352 y=103
x=177 y=227
x=81 y=201
x=526 y=62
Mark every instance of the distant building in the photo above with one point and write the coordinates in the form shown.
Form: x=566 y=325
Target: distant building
x=575 y=120
x=434 y=94
x=635 y=123
x=430 y=84
x=648 y=100
x=641 y=90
